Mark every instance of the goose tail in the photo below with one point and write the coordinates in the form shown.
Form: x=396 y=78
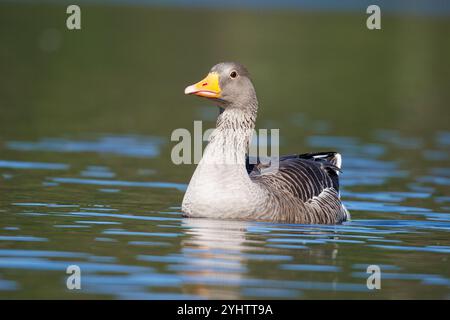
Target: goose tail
x=334 y=158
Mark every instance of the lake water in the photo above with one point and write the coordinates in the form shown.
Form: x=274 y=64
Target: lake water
x=86 y=177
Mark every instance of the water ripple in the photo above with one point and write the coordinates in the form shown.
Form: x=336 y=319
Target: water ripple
x=131 y=146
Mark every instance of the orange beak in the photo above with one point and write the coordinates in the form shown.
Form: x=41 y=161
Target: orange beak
x=208 y=87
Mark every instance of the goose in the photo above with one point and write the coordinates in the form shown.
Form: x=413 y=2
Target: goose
x=303 y=189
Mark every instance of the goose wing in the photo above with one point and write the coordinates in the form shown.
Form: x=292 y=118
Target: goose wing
x=305 y=175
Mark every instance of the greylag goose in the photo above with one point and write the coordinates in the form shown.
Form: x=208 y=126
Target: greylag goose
x=303 y=189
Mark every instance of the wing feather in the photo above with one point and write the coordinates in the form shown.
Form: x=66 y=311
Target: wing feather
x=305 y=176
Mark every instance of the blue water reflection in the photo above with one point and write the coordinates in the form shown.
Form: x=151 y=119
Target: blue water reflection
x=131 y=245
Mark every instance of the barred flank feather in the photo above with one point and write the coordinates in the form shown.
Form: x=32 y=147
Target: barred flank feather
x=311 y=179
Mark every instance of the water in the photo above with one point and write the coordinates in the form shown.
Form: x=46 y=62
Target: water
x=86 y=177
x=127 y=247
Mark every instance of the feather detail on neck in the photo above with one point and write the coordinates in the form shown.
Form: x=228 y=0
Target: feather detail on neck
x=229 y=142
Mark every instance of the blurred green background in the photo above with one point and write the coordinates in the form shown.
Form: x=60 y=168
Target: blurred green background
x=125 y=71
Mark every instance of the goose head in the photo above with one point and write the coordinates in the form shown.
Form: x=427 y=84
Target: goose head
x=228 y=84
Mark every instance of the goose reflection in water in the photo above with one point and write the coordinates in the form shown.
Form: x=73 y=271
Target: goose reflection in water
x=217 y=256
x=214 y=254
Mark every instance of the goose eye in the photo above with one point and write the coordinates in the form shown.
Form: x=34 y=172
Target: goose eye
x=233 y=74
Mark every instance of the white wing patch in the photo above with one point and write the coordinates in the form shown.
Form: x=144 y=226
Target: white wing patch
x=338 y=158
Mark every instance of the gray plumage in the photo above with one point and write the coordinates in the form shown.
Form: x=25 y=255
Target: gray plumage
x=302 y=189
